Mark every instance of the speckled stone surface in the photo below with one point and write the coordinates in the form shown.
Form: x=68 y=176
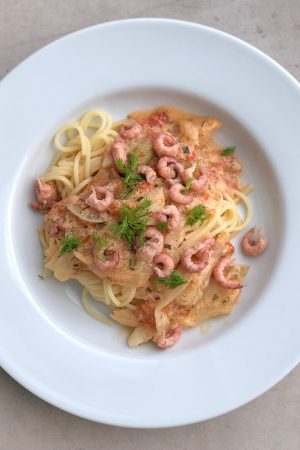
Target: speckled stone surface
x=271 y=422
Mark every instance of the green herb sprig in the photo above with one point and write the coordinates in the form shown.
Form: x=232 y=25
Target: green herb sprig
x=133 y=222
x=196 y=214
x=69 y=243
x=188 y=186
x=163 y=226
x=186 y=150
x=100 y=241
x=174 y=280
x=228 y=151
x=130 y=178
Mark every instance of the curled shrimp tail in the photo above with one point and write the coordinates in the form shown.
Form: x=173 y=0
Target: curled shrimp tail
x=119 y=152
x=254 y=242
x=219 y=272
x=166 y=264
x=107 y=264
x=169 y=167
x=169 y=214
x=164 y=144
x=100 y=204
x=195 y=259
x=130 y=131
x=46 y=194
x=177 y=196
x=153 y=246
x=166 y=340
x=149 y=173
x=198 y=184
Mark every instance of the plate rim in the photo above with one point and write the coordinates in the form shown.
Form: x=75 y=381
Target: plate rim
x=153 y=19
x=11 y=370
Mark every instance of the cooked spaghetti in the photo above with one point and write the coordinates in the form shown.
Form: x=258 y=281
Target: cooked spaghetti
x=141 y=212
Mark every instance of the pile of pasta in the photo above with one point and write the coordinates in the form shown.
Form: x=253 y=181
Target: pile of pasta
x=131 y=292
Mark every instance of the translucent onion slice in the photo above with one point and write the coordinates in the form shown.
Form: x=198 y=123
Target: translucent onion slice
x=89 y=214
x=140 y=335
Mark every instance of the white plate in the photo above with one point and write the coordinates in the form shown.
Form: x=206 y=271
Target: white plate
x=48 y=343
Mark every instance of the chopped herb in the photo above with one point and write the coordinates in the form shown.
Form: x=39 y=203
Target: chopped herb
x=188 y=186
x=163 y=226
x=130 y=178
x=69 y=244
x=228 y=151
x=196 y=214
x=101 y=241
x=133 y=222
x=168 y=246
x=41 y=277
x=186 y=150
x=102 y=257
x=101 y=244
x=132 y=263
x=174 y=280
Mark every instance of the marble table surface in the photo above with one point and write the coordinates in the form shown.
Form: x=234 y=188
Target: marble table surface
x=271 y=422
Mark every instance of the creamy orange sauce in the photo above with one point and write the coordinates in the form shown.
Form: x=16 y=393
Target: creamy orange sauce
x=74 y=216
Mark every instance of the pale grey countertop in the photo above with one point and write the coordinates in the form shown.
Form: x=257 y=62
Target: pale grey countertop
x=269 y=422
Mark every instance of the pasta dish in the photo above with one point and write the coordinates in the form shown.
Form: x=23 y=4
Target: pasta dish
x=142 y=212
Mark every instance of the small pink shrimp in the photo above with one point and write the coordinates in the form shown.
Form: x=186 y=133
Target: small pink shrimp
x=219 y=269
x=109 y=263
x=118 y=151
x=168 y=167
x=165 y=144
x=153 y=246
x=254 y=242
x=201 y=252
x=171 y=181
x=176 y=195
x=199 y=184
x=164 y=340
x=96 y=203
x=130 y=130
x=167 y=265
x=159 y=216
x=149 y=173
x=46 y=194
x=53 y=229
x=168 y=214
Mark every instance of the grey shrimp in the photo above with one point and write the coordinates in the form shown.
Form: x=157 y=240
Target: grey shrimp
x=149 y=173
x=219 y=270
x=195 y=259
x=153 y=246
x=164 y=340
x=118 y=151
x=130 y=130
x=170 y=214
x=100 y=204
x=164 y=144
x=167 y=264
x=169 y=167
x=177 y=196
x=254 y=242
x=46 y=194
x=198 y=184
x=107 y=264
